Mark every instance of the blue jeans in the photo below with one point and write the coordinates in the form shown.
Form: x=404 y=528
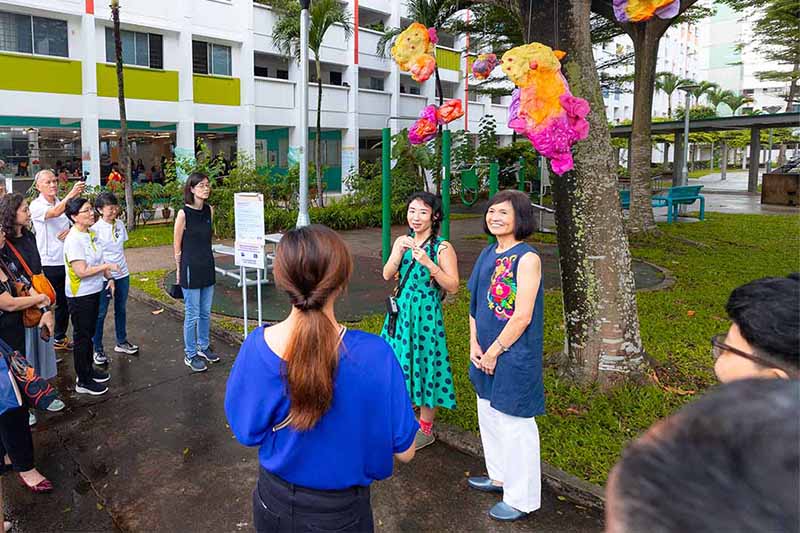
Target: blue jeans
x=121 y=288
x=197 y=319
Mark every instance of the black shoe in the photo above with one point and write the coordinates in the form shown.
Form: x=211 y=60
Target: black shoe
x=92 y=387
x=209 y=355
x=99 y=376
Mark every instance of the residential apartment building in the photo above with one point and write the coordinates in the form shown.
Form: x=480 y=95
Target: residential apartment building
x=200 y=69
x=735 y=67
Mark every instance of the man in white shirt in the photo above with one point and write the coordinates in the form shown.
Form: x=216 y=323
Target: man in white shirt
x=51 y=227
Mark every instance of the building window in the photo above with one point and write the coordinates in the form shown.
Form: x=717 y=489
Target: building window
x=413 y=90
x=142 y=49
x=376 y=84
x=336 y=78
x=38 y=35
x=261 y=72
x=497 y=99
x=208 y=58
x=282 y=74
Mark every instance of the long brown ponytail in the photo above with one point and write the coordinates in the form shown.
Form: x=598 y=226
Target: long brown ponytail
x=312 y=264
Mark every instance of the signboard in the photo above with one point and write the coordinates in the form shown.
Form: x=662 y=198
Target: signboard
x=249 y=221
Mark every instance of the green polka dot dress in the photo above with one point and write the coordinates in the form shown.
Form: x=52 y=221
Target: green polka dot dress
x=419 y=341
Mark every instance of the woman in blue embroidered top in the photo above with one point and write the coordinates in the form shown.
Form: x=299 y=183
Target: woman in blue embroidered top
x=327 y=407
x=506 y=331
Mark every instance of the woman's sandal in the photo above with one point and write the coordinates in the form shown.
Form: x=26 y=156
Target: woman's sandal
x=44 y=486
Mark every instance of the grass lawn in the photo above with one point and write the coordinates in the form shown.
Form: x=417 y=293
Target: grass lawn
x=584 y=430
x=150 y=235
x=697 y=174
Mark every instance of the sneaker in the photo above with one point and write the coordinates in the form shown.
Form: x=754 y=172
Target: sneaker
x=422 y=440
x=126 y=347
x=92 y=387
x=63 y=344
x=100 y=358
x=195 y=363
x=56 y=406
x=31 y=418
x=209 y=355
x=99 y=376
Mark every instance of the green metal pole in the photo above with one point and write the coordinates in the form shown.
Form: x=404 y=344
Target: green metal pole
x=494 y=172
x=386 y=193
x=521 y=174
x=446 y=184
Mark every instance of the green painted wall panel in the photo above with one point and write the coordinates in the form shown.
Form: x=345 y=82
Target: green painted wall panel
x=140 y=83
x=447 y=59
x=37 y=122
x=216 y=90
x=40 y=74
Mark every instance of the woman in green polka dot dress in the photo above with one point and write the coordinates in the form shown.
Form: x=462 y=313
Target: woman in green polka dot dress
x=419 y=339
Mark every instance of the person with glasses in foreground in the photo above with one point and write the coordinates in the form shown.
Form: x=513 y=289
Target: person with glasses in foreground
x=764 y=339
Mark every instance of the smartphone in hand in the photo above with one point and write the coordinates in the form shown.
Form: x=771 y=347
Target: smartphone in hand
x=44 y=333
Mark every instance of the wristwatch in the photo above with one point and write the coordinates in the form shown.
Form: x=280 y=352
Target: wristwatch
x=44 y=308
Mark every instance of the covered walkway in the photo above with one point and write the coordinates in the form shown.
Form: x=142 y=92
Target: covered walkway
x=754 y=123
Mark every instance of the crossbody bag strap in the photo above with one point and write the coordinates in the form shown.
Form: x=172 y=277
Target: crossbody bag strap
x=399 y=288
x=288 y=420
x=21 y=260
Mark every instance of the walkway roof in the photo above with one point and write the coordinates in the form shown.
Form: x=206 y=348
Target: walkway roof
x=776 y=120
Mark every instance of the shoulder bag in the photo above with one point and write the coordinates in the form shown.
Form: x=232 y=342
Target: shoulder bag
x=39 y=281
x=31 y=315
x=392 y=309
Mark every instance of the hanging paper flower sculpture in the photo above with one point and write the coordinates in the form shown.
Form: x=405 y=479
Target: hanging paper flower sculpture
x=542 y=107
x=641 y=10
x=483 y=66
x=424 y=129
x=413 y=51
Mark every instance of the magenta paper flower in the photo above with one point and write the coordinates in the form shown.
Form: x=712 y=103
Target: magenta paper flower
x=432 y=35
x=483 y=66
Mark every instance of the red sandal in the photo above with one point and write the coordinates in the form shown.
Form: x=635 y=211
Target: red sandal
x=42 y=487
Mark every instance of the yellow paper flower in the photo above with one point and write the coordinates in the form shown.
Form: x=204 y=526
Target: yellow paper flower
x=413 y=51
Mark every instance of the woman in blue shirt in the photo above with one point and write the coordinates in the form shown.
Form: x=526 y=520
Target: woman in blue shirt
x=506 y=331
x=327 y=407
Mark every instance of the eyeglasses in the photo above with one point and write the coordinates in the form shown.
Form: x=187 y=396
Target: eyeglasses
x=86 y=210
x=203 y=186
x=718 y=346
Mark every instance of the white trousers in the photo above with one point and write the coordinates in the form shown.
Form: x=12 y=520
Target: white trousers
x=511 y=449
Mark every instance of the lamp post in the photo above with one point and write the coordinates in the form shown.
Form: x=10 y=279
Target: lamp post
x=685 y=169
x=770 y=109
x=302 y=215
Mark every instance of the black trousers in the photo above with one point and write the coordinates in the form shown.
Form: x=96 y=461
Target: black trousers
x=57 y=278
x=83 y=311
x=279 y=506
x=16 y=440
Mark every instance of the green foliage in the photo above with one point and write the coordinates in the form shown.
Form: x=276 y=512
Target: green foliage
x=697 y=112
x=585 y=429
x=366 y=185
x=487 y=138
x=150 y=235
x=508 y=157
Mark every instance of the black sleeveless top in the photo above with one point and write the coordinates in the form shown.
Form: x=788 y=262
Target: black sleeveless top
x=197 y=260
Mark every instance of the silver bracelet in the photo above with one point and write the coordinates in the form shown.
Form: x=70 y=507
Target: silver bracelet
x=500 y=344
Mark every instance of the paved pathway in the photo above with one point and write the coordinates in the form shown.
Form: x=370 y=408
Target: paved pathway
x=155 y=454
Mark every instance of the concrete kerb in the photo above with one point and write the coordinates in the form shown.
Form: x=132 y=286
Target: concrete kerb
x=575 y=489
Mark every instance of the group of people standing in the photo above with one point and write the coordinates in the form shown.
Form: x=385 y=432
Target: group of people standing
x=83 y=263
x=330 y=407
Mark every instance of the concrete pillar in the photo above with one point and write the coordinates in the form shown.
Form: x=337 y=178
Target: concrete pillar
x=350 y=135
x=677 y=164
x=723 y=160
x=246 y=141
x=184 y=138
x=90 y=128
x=755 y=152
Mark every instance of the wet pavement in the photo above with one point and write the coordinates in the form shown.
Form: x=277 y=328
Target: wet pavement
x=155 y=454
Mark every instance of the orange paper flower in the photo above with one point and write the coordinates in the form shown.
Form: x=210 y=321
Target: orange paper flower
x=450 y=111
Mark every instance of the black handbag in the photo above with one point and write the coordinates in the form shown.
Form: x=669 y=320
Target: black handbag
x=175 y=291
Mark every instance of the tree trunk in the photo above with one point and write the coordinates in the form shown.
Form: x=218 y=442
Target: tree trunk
x=125 y=163
x=790 y=98
x=665 y=165
x=645 y=46
x=318 y=139
x=602 y=323
x=723 y=160
x=669 y=104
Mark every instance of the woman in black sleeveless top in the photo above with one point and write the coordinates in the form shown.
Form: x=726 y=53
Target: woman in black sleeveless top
x=195 y=270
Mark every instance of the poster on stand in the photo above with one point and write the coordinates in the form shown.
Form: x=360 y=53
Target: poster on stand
x=249 y=222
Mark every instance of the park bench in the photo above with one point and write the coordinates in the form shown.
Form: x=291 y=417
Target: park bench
x=671 y=199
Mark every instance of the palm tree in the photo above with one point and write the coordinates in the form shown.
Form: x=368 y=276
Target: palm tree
x=286 y=36
x=736 y=101
x=703 y=87
x=668 y=83
x=125 y=162
x=718 y=96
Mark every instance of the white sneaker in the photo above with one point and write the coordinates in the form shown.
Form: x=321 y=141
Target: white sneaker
x=56 y=406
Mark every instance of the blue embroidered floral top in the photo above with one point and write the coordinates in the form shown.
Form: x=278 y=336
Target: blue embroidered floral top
x=516 y=388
